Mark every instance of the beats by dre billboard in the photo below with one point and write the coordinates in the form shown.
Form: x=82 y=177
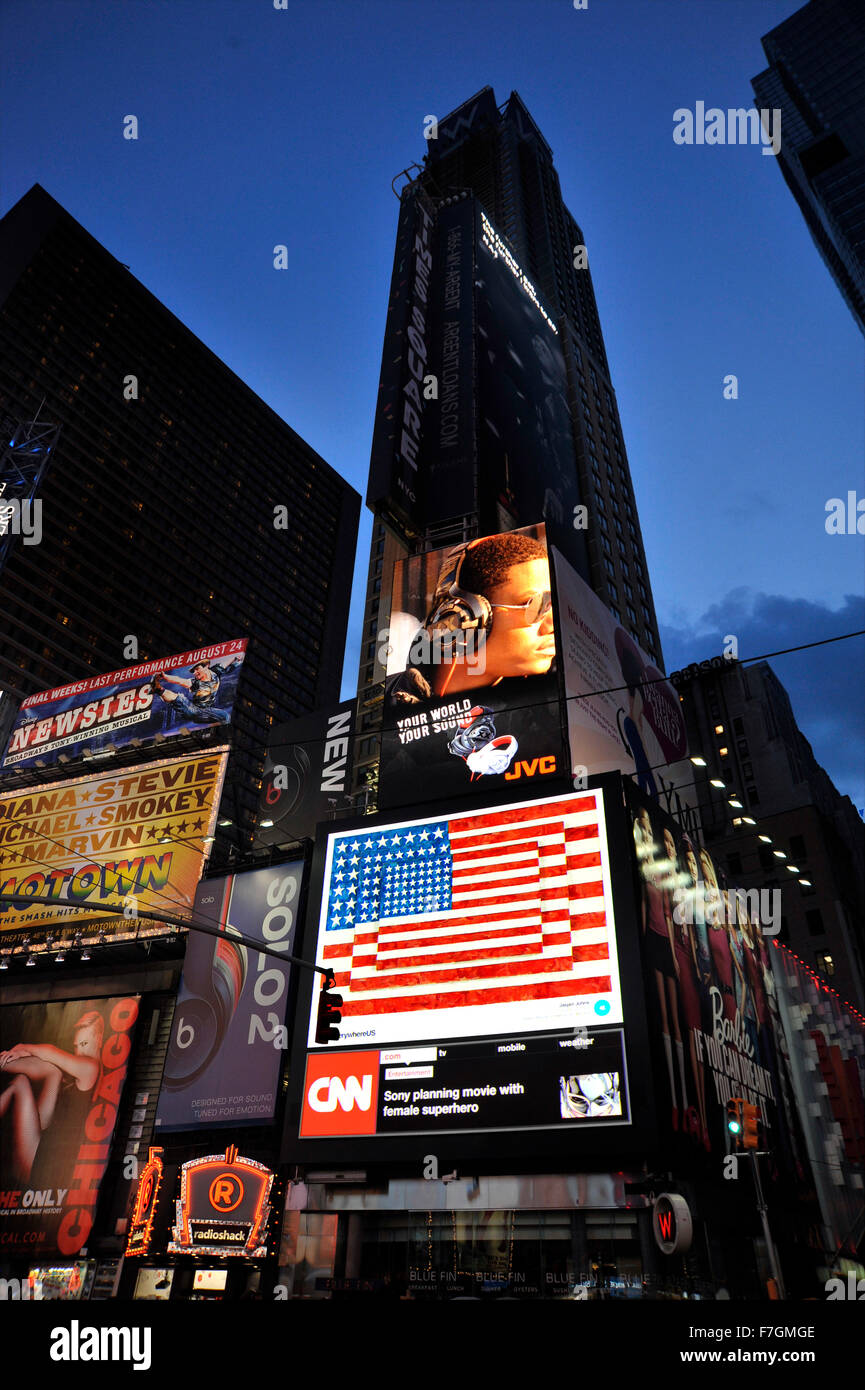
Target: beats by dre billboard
x=306 y=775
x=225 y=1051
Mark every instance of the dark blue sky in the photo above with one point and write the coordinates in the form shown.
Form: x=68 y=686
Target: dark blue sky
x=260 y=126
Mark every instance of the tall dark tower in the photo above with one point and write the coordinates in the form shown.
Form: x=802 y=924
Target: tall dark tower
x=816 y=79
x=157 y=497
x=492 y=297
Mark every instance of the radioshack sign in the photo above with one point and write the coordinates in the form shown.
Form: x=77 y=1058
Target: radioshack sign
x=340 y=1094
x=223 y=1207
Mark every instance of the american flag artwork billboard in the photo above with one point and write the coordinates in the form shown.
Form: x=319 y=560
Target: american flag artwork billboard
x=491 y=921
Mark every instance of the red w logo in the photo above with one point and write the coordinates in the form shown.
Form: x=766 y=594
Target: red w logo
x=665 y=1223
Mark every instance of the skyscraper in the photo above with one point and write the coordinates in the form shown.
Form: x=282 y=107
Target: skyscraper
x=492 y=308
x=159 y=498
x=816 y=78
x=792 y=832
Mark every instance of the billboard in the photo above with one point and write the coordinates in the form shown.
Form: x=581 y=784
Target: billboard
x=176 y=695
x=135 y=837
x=623 y=715
x=482 y=922
x=711 y=994
x=225 y=1053
x=62 y=1073
x=471 y=689
x=307 y=773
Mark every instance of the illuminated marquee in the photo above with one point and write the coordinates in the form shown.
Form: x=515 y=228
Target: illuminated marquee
x=223 y=1207
x=146 y=1199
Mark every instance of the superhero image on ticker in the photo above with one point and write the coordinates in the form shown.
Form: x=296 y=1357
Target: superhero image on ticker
x=471 y=692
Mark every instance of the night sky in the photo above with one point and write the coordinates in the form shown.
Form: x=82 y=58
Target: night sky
x=260 y=126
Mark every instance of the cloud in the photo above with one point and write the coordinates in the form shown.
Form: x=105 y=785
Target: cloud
x=824 y=683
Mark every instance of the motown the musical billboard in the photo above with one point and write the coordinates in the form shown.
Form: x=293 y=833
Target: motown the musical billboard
x=180 y=694
x=108 y=844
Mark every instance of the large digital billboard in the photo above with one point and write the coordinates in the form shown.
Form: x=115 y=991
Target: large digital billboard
x=307 y=774
x=711 y=995
x=623 y=715
x=470 y=653
x=135 y=838
x=178 y=694
x=62 y=1072
x=483 y=922
x=224 y=1056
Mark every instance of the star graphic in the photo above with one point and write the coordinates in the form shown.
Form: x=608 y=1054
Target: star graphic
x=198 y=825
x=424 y=834
x=183 y=827
x=439 y=833
x=152 y=833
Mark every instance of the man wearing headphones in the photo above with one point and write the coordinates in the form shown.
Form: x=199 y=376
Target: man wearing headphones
x=490 y=625
x=499 y=588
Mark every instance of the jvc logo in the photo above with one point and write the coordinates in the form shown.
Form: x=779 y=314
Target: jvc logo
x=345 y=1094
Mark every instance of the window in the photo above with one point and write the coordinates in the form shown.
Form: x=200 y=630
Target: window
x=631 y=613
x=614 y=593
x=825 y=963
x=814 y=919
x=734 y=863
x=738 y=726
x=798 y=847
x=615 y=612
x=752 y=795
x=608 y=564
x=606 y=544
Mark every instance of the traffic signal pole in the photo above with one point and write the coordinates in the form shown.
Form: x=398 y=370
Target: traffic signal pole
x=767 y=1234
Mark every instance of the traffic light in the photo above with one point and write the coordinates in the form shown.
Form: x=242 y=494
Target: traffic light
x=750 y=1120
x=329 y=1015
x=735 y=1121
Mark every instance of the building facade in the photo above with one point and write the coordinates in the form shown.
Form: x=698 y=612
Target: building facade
x=160 y=528
x=792 y=832
x=487 y=198
x=816 y=79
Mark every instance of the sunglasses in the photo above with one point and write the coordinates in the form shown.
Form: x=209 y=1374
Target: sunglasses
x=535 y=608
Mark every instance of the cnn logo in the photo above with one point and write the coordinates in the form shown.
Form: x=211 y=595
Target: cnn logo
x=340 y=1094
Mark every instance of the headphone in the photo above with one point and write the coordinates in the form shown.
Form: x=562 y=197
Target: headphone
x=214 y=973
x=456 y=609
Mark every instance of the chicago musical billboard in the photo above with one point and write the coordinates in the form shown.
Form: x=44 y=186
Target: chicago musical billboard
x=175 y=695
x=126 y=840
x=62 y=1073
x=470 y=653
x=225 y=1052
